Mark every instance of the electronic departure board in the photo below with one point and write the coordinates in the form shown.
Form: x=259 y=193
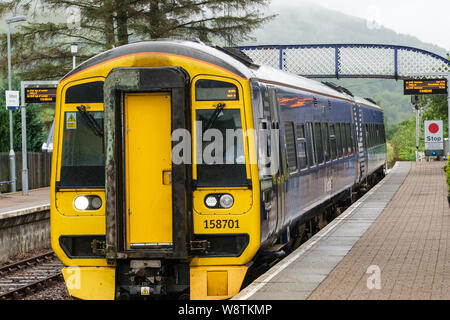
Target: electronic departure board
x=425 y=86
x=40 y=95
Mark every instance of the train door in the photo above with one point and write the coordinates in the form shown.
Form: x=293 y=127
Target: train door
x=360 y=166
x=277 y=156
x=148 y=169
x=270 y=173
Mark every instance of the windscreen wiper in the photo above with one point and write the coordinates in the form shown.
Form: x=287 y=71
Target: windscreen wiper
x=98 y=131
x=214 y=116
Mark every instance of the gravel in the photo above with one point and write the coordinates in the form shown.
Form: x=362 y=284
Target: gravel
x=57 y=291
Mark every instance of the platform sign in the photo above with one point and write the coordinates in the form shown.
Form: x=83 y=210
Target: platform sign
x=434 y=138
x=425 y=86
x=12 y=100
x=40 y=95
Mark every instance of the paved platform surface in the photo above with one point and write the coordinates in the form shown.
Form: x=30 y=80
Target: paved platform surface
x=394 y=243
x=15 y=203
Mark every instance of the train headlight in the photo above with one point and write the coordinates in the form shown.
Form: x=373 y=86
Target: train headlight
x=226 y=201
x=81 y=203
x=211 y=201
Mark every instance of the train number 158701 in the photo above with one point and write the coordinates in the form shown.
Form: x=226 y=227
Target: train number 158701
x=221 y=224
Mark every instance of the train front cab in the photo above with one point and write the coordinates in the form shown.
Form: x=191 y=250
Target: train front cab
x=159 y=230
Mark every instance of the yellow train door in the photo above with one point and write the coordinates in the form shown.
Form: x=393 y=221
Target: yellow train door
x=148 y=169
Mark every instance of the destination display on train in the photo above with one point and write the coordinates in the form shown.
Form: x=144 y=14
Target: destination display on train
x=425 y=86
x=40 y=95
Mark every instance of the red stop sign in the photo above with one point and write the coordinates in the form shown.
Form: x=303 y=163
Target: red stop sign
x=433 y=128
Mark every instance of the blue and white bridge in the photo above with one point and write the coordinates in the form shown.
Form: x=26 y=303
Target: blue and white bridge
x=353 y=61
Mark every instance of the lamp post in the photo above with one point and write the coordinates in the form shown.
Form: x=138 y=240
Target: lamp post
x=12 y=155
x=74 y=50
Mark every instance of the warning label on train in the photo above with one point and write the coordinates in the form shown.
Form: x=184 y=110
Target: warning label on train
x=40 y=95
x=71 y=120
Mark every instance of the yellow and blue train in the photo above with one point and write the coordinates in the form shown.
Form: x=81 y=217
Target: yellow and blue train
x=177 y=164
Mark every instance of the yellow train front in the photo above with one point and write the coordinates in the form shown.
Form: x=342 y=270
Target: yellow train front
x=139 y=206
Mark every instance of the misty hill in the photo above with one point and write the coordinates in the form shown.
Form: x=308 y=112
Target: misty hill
x=308 y=23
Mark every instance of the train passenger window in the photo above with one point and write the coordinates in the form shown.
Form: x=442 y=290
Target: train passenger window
x=344 y=140
x=301 y=147
x=372 y=136
x=326 y=140
x=333 y=142
x=213 y=90
x=319 y=142
x=349 y=139
x=367 y=136
x=91 y=92
x=83 y=160
x=290 y=146
x=338 y=140
x=378 y=134
x=311 y=144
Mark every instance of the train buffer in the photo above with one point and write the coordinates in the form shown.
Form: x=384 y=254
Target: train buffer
x=13 y=203
x=391 y=244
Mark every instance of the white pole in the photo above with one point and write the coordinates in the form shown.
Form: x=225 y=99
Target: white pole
x=448 y=115
x=12 y=155
x=417 y=132
x=24 y=143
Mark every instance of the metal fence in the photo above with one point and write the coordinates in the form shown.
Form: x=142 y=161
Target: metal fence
x=39 y=168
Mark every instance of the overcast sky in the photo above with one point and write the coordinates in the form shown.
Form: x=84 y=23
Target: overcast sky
x=427 y=20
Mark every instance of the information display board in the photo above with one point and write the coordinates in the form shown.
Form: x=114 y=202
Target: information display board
x=40 y=95
x=425 y=86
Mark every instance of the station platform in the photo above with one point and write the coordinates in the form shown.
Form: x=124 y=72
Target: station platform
x=15 y=203
x=393 y=243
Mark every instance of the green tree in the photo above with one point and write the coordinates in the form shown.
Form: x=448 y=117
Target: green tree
x=42 y=46
x=403 y=141
x=35 y=131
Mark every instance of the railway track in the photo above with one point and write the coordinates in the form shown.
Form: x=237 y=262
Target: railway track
x=28 y=276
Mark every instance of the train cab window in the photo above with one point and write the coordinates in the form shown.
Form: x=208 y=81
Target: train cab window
x=213 y=90
x=326 y=140
x=221 y=162
x=349 y=138
x=333 y=142
x=344 y=140
x=319 y=142
x=83 y=161
x=338 y=140
x=301 y=147
x=290 y=146
x=311 y=144
x=91 y=92
x=266 y=100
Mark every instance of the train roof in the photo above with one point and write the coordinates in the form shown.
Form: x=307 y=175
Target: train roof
x=228 y=58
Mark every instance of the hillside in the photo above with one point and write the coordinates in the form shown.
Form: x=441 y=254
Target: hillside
x=312 y=24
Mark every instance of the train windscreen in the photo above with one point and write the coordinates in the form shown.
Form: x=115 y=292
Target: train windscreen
x=83 y=160
x=221 y=156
